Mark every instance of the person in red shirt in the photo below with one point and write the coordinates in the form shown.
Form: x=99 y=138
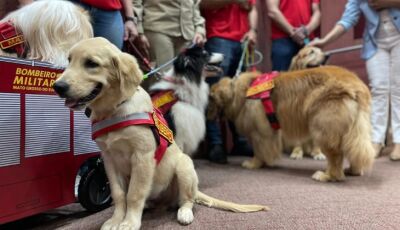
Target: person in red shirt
x=228 y=24
x=293 y=25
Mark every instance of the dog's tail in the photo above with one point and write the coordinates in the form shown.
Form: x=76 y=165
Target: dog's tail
x=229 y=206
x=357 y=143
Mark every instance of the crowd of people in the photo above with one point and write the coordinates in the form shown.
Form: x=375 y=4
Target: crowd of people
x=163 y=28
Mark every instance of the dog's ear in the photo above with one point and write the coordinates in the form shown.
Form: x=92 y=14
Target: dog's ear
x=294 y=65
x=128 y=72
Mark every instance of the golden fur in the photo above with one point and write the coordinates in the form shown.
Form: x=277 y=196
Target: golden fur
x=50 y=29
x=128 y=153
x=329 y=104
x=307 y=57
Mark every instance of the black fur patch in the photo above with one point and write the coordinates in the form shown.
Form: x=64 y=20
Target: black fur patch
x=190 y=63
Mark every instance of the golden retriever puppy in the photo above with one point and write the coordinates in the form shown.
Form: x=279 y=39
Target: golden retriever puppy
x=50 y=28
x=307 y=57
x=329 y=104
x=102 y=78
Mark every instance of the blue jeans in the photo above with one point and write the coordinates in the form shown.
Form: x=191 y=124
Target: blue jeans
x=232 y=51
x=107 y=24
x=282 y=52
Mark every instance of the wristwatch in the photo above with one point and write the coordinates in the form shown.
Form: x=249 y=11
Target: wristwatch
x=133 y=19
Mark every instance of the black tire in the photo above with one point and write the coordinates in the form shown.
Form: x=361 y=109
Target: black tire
x=94 y=192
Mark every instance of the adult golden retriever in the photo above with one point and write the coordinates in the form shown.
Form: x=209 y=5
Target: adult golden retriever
x=329 y=104
x=307 y=57
x=50 y=28
x=107 y=81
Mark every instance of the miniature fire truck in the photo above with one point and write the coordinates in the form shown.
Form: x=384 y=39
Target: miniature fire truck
x=44 y=146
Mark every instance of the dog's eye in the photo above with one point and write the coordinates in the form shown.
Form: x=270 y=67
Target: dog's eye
x=91 y=64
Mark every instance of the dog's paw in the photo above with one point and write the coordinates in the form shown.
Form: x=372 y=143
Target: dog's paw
x=185 y=216
x=324 y=177
x=297 y=153
x=111 y=224
x=319 y=156
x=321 y=176
x=129 y=225
x=352 y=172
x=249 y=164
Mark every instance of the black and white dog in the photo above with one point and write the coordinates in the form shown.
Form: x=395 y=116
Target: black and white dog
x=182 y=96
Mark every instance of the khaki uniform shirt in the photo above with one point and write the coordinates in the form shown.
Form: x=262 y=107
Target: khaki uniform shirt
x=171 y=17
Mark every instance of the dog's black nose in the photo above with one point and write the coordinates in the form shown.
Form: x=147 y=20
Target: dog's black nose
x=61 y=88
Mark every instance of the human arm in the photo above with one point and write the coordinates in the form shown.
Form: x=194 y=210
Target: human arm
x=348 y=20
x=382 y=4
x=199 y=25
x=251 y=35
x=315 y=18
x=143 y=42
x=130 y=30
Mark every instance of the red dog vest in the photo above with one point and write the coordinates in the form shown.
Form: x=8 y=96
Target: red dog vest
x=155 y=119
x=11 y=38
x=261 y=88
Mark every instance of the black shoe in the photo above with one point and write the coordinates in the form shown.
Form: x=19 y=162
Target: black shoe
x=242 y=148
x=217 y=154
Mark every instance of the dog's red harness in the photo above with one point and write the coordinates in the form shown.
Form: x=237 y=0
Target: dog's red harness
x=164 y=100
x=155 y=119
x=261 y=88
x=11 y=38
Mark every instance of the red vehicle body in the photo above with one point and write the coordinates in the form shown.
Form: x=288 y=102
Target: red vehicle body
x=42 y=143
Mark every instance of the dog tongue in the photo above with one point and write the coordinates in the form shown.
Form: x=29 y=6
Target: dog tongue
x=70 y=102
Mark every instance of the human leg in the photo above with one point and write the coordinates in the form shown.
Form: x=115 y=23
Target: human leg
x=378 y=69
x=108 y=24
x=282 y=52
x=395 y=96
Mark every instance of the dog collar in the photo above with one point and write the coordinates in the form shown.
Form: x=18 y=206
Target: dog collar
x=164 y=100
x=261 y=88
x=154 y=119
x=11 y=39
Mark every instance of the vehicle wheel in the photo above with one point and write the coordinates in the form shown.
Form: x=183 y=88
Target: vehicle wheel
x=94 y=191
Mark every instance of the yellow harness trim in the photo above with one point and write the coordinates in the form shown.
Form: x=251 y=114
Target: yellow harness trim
x=12 y=42
x=253 y=90
x=164 y=99
x=163 y=129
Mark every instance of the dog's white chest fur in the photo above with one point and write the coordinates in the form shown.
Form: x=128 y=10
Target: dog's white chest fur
x=187 y=112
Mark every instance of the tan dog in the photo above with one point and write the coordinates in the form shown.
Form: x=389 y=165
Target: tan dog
x=307 y=57
x=50 y=29
x=329 y=104
x=106 y=80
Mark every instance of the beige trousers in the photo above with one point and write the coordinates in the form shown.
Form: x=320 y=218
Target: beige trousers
x=163 y=47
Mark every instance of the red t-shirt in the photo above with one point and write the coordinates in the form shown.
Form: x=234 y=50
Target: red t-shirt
x=104 y=4
x=229 y=22
x=296 y=12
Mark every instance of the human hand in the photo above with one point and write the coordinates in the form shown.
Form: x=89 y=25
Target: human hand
x=317 y=42
x=244 y=4
x=379 y=4
x=199 y=39
x=24 y=2
x=130 y=31
x=298 y=35
x=251 y=36
x=144 y=45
